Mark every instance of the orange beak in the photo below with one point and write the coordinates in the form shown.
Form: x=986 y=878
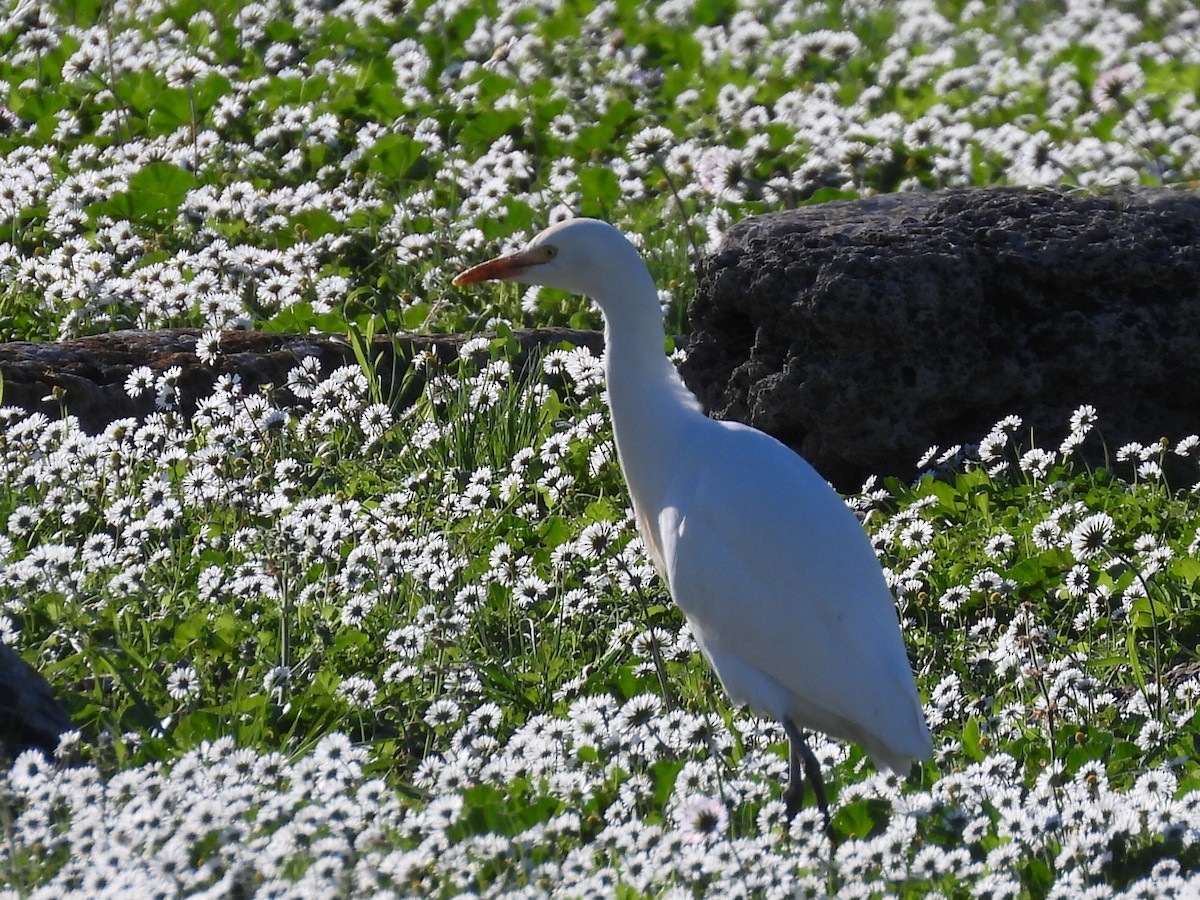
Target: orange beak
x=501 y=268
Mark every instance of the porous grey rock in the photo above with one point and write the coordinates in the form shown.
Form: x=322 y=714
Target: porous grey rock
x=863 y=332
x=86 y=377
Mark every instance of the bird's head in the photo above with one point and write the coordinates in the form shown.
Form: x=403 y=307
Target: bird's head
x=582 y=256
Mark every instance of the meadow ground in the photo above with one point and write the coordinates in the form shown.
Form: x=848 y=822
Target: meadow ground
x=332 y=647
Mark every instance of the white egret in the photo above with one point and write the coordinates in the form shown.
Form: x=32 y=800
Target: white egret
x=775 y=575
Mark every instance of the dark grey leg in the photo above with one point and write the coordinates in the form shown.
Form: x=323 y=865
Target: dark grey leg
x=800 y=756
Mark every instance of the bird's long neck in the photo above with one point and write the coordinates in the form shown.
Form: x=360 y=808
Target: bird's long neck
x=644 y=387
x=653 y=412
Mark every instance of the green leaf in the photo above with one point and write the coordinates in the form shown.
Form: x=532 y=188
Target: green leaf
x=350 y=639
x=599 y=511
x=484 y=128
x=1095 y=744
x=153 y=193
x=189 y=630
x=35 y=106
x=1134 y=663
x=1146 y=613
x=172 y=110
x=1037 y=877
x=300 y=318
x=626 y=682
x=664 y=774
x=199 y=725
x=828 y=195
x=1186 y=568
x=162 y=179
x=970 y=740
x=82 y=13
x=603 y=134
x=225 y=630
x=949 y=496
x=857 y=819
x=394 y=155
x=1109 y=662
x=139 y=91
x=415 y=316
x=554 y=531
x=505 y=345
x=488 y=810
x=314 y=223
x=600 y=190
x=209 y=90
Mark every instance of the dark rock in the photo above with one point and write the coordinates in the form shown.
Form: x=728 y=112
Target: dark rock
x=86 y=377
x=29 y=714
x=861 y=333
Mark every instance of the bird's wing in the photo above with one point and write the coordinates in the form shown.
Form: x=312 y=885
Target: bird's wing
x=785 y=594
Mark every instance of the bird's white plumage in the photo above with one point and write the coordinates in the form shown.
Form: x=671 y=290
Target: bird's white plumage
x=776 y=577
x=754 y=537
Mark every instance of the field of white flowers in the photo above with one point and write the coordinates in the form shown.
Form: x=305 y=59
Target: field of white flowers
x=339 y=648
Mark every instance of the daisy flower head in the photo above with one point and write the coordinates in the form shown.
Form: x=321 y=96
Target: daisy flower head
x=1000 y=545
x=1091 y=536
x=1112 y=88
x=596 y=539
x=443 y=713
x=702 y=818
x=1078 y=580
x=1009 y=424
x=953 y=598
x=358 y=692
x=651 y=143
x=1083 y=418
x=208 y=346
x=139 y=381
x=916 y=534
x=1046 y=534
x=183 y=683
x=928 y=456
x=278 y=679
x=486 y=717
x=1187 y=446
x=1037 y=462
x=720 y=174
x=991 y=445
x=185 y=71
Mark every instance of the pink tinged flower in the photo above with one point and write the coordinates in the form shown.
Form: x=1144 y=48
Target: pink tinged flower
x=1112 y=87
x=702 y=818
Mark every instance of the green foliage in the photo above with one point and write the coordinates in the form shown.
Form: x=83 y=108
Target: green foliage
x=350 y=157
x=153 y=196
x=391 y=552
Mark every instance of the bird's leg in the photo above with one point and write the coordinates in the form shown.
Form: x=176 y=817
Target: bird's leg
x=801 y=756
x=793 y=795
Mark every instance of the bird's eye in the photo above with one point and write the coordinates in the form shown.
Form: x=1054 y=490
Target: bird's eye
x=551 y=251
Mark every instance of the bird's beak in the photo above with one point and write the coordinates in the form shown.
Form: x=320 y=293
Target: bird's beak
x=501 y=268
